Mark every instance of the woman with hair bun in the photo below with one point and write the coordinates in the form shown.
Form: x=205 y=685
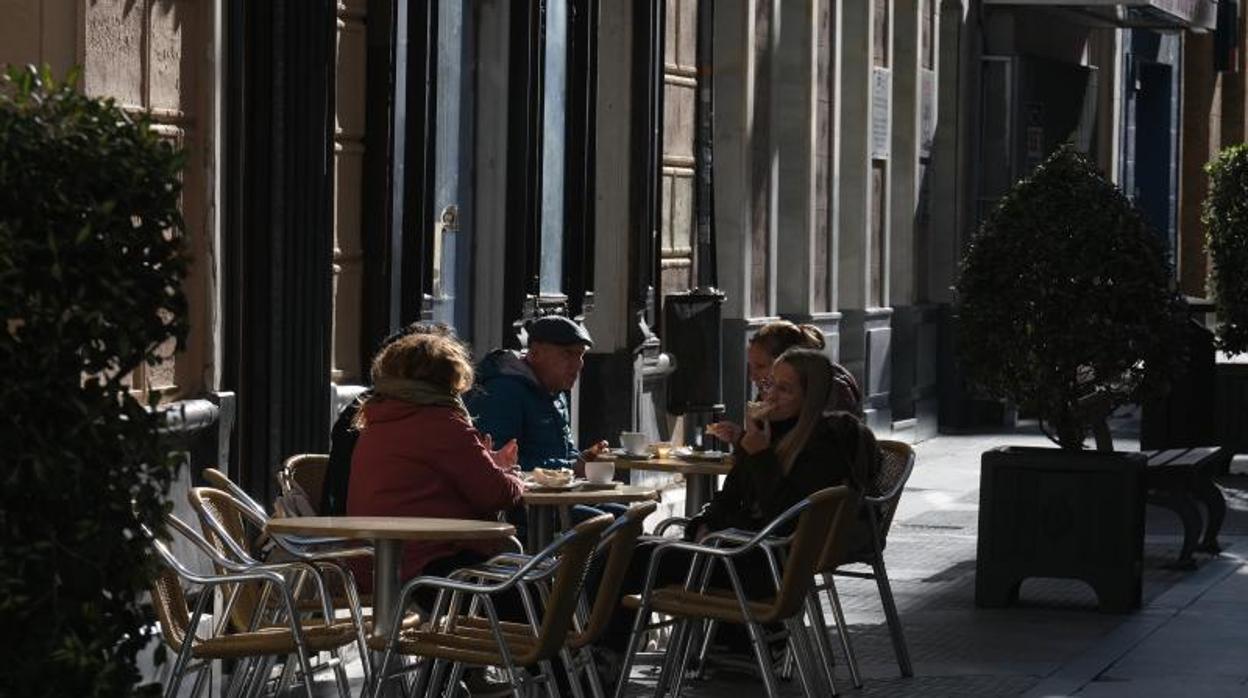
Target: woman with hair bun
x=767 y=344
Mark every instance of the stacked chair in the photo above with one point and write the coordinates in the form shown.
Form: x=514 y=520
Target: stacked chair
x=255 y=648
x=228 y=515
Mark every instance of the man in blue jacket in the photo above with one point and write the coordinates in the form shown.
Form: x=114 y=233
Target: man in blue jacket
x=524 y=396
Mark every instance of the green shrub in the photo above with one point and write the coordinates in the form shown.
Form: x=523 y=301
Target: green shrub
x=1226 y=225
x=1064 y=293
x=91 y=264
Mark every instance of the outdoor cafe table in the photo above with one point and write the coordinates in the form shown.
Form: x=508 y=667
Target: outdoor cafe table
x=699 y=475
x=388 y=534
x=543 y=502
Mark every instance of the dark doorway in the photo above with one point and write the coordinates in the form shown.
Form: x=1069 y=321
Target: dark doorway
x=1154 y=156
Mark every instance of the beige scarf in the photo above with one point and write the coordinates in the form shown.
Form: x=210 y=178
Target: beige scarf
x=419 y=393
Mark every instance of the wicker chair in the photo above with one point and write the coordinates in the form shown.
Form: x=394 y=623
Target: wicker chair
x=307 y=470
x=448 y=637
x=691 y=604
x=225 y=520
x=618 y=542
x=881 y=504
x=257 y=648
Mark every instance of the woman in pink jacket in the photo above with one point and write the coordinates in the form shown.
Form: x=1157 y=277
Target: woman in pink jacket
x=419 y=455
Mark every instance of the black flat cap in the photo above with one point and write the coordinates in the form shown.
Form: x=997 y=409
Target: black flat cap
x=556 y=329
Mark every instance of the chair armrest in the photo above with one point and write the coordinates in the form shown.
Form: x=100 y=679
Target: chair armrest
x=309 y=548
x=665 y=524
x=213 y=580
x=738 y=535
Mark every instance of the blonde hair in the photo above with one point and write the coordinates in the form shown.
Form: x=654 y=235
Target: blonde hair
x=439 y=360
x=816 y=376
x=775 y=338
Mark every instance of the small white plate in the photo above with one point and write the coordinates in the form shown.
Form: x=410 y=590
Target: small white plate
x=628 y=455
x=702 y=455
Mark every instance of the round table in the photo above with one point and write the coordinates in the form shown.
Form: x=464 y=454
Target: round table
x=388 y=534
x=542 y=503
x=699 y=475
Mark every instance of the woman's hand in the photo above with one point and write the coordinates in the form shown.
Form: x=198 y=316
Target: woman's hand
x=507 y=457
x=590 y=454
x=725 y=431
x=593 y=452
x=757 y=435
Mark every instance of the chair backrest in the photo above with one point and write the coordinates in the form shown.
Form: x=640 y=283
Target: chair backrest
x=823 y=510
x=575 y=553
x=169 y=600
x=219 y=480
x=620 y=541
x=168 y=594
x=840 y=534
x=896 y=463
x=223 y=517
x=307 y=470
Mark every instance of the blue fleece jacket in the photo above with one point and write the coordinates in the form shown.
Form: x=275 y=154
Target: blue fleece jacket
x=508 y=403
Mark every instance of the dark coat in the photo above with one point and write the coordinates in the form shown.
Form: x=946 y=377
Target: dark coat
x=841 y=451
x=508 y=403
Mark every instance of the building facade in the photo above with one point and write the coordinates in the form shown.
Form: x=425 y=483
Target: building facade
x=361 y=164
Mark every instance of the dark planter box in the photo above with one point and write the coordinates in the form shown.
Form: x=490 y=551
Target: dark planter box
x=1044 y=512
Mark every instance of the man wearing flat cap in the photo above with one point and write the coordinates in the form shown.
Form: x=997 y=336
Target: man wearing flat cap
x=524 y=396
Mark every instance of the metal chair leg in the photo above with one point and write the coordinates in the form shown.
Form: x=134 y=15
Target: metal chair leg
x=548 y=673
x=452 y=681
x=263 y=667
x=340 y=674
x=708 y=636
x=591 y=670
x=670 y=659
x=569 y=665
x=842 y=629
x=684 y=653
x=890 y=612
x=823 y=644
x=807 y=673
x=764 y=660
x=197 y=688
x=630 y=654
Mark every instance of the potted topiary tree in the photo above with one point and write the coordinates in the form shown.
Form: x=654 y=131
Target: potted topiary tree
x=1064 y=295
x=91 y=264
x=1226 y=225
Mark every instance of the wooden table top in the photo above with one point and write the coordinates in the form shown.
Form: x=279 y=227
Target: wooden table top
x=675 y=465
x=620 y=493
x=391 y=527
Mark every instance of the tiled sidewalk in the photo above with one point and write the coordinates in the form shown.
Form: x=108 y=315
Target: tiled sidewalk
x=1189 y=639
x=1055 y=639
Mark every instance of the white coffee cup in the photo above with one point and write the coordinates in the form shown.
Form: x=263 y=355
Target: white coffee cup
x=599 y=471
x=635 y=443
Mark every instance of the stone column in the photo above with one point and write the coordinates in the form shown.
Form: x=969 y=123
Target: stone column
x=863 y=236
x=734 y=181
x=793 y=107
x=903 y=258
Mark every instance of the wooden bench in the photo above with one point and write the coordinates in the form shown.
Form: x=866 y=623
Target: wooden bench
x=1179 y=479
